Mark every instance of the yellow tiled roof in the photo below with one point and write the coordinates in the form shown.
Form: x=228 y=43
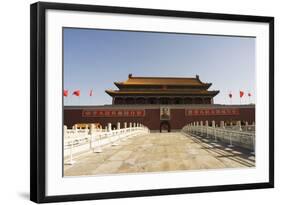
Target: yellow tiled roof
x=161 y=81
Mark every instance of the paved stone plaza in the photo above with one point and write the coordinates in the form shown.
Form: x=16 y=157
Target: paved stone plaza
x=156 y=152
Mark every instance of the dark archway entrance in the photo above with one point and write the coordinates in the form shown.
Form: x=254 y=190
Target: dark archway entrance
x=165 y=126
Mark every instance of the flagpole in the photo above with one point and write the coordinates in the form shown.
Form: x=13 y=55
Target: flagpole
x=71 y=98
x=65 y=95
x=230 y=97
x=78 y=100
x=63 y=98
x=79 y=97
x=91 y=95
x=77 y=93
x=226 y=96
x=240 y=96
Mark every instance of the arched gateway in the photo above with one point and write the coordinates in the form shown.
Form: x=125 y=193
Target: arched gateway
x=165 y=126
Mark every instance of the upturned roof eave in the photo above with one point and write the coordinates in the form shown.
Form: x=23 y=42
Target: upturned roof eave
x=122 y=93
x=124 y=84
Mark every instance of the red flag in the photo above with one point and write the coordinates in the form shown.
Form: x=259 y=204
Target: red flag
x=249 y=94
x=65 y=93
x=241 y=94
x=230 y=95
x=91 y=92
x=76 y=92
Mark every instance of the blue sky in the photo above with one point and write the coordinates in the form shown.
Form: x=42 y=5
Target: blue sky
x=94 y=59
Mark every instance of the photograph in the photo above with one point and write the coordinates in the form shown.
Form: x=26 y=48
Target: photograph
x=137 y=102
x=134 y=102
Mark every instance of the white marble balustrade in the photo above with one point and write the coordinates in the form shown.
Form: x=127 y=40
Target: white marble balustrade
x=81 y=140
x=231 y=136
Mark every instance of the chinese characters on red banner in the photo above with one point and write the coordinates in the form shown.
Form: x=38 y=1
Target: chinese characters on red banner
x=209 y=112
x=113 y=113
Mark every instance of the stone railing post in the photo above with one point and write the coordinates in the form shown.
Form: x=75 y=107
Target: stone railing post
x=64 y=131
x=247 y=125
x=213 y=124
x=239 y=125
x=75 y=129
x=222 y=124
x=109 y=127
x=193 y=127
x=207 y=127
x=230 y=139
x=214 y=129
x=125 y=125
x=92 y=128
x=91 y=132
x=97 y=142
x=118 y=125
x=118 y=133
x=201 y=128
x=130 y=127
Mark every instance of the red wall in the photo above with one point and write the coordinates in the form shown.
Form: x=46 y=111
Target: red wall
x=151 y=119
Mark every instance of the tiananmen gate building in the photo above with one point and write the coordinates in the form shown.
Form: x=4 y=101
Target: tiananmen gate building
x=160 y=103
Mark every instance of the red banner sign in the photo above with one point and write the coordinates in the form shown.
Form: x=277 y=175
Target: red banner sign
x=209 y=112
x=113 y=113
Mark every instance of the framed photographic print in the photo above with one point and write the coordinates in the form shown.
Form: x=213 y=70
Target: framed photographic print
x=129 y=102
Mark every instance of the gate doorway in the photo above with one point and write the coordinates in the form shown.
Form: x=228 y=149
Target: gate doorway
x=165 y=126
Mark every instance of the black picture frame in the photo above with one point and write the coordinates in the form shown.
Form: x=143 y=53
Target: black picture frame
x=38 y=101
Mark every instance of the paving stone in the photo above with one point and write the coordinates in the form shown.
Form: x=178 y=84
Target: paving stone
x=121 y=155
x=158 y=152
